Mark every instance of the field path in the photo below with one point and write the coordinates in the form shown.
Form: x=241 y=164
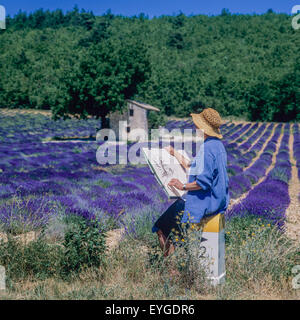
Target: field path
x=244 y=195
x=114 y=237
x=293 y=211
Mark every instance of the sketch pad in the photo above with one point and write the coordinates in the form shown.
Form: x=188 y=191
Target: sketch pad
x=165 y=167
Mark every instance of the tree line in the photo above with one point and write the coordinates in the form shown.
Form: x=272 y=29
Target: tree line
x=81 y=64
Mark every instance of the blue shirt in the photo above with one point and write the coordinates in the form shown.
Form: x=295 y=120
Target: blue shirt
x=209 y=170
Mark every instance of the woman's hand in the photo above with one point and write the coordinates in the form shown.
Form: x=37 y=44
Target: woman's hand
x=171 y=150
x=176 y=183
x=181 y=159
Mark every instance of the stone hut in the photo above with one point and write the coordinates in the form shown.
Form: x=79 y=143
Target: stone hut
x=132 y=123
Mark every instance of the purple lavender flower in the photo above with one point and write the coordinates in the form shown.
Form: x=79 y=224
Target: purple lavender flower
x=25 y=215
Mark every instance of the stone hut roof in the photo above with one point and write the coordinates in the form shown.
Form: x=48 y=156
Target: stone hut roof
x=143 y=105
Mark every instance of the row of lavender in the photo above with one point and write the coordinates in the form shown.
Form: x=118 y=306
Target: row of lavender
x=296 y=150
x=296 y=147
x=237 y=156
x=33 y=128
x=270 y=198
x=245 y=175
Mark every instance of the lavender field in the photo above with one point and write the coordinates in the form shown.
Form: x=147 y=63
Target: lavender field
x=49 y=175
x=41 y=181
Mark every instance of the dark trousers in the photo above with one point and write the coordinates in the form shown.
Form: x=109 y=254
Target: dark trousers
x=170 y=219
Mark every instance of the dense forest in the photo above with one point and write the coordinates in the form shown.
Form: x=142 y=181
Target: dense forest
x=79 y=63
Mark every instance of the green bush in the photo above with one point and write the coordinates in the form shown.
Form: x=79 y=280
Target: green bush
x=37 y=259
x=156 y=119
x=84 y=246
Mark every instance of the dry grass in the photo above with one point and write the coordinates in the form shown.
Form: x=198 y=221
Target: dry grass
x=133 y=273
x=13 y=112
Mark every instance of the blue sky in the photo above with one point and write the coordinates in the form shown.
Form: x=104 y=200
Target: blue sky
x=153 y=7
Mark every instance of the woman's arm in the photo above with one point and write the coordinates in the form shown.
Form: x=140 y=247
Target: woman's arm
x=193 y=186
x=181 y=159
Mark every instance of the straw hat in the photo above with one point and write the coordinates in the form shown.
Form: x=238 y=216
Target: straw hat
x=209 y=121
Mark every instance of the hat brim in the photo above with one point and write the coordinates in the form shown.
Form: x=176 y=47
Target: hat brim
x=202 y=124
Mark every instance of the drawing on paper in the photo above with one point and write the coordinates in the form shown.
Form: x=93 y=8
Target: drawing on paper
x=165 y=167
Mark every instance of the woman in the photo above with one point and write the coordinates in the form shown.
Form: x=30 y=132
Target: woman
x=207 y=187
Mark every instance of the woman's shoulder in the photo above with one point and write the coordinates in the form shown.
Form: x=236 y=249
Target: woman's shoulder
x=214 y=146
